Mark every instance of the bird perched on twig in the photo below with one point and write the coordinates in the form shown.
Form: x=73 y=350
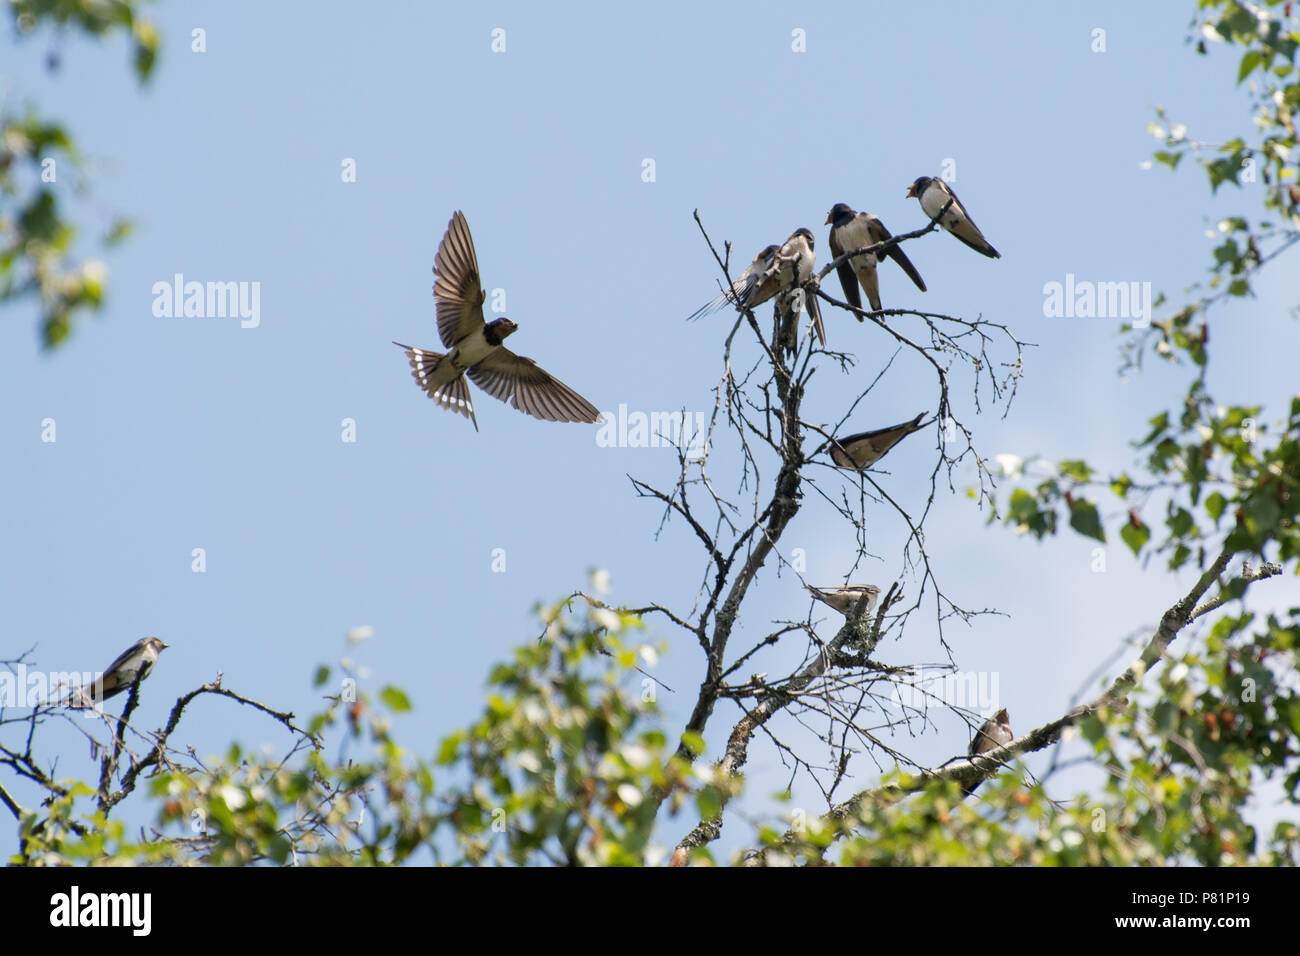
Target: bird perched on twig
x=776 y=269
x=476 y=349
x=933 y=194
x=859 y=451
x=134 y=664
x=857 y=230
x=993 y=733
x=845 y=598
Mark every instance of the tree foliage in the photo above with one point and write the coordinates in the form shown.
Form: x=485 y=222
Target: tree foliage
x=41 y=167
x=564 y=765
x=570 y=760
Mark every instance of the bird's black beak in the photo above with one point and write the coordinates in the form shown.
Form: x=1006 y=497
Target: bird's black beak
x=911 y=190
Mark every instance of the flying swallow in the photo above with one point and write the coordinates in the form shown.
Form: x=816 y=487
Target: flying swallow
x=933 y=194
x=475 y=347
x=994 y=733
x=858 y=451
x=775 y=269
x=857 y=230
x=845 y=598
x=134 y=664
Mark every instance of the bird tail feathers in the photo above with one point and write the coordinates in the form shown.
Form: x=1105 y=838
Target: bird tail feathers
x=452 y=395
x=738 y=294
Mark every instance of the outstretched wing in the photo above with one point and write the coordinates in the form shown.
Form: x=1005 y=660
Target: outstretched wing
x=457 y=290
x=520 y=382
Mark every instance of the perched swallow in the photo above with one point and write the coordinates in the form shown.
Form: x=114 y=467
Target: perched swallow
x=476 y=349
x=798 y=262
x=755 y=285
x=775 y=269
x=866 y=448
x=933 y=194
x=857 y=230
x=845 y=598
x=135 y=664
x=994 y=733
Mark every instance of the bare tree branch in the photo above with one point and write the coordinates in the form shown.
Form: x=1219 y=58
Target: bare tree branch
x=970 y=770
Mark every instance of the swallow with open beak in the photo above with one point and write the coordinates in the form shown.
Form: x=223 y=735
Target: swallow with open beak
x=933 y=194
x=859 y=451
x=848 y=597
x=859 y=230
x=132 y=665
x=993 y=733
x=776 y=269
x=475 y=348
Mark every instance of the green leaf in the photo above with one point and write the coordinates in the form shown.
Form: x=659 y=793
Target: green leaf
x=1262 y=512
x=1158 y=426
x=1180 y=556
x=1093 y=731
x=1074 y=469
x=1135 y=537
x=1181 y=523
x=1249 y=62
x=1085 y=520
x=146 y=49
x=395 y=699
x=40 y=220
x=1221 y=171
x=1023 y=511
x=449 y=746
x=1239 y=24
x=120 y=229
x=279 y=847
x=1227 y=254
x=693 y=741
x=1234 y=589
x=709 y=801
x=58 y=326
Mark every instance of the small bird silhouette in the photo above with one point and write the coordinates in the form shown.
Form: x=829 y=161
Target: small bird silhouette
x=476 y=350
x=858 y=230
x=776 y=269
x=933 y=194
x=857 y=452
x=134 y=664
x=993 y=733
x=845 y=598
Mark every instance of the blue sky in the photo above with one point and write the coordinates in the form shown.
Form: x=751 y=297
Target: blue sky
x=183 y=433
